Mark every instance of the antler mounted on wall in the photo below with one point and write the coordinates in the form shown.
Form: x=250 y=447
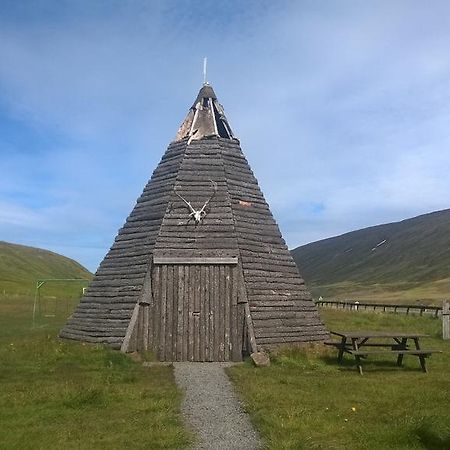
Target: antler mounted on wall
x=199 y=214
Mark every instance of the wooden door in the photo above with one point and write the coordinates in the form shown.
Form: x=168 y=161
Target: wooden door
x=195 y=315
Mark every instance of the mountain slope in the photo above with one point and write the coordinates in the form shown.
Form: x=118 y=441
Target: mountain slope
x=21 y=266
x=414 y=250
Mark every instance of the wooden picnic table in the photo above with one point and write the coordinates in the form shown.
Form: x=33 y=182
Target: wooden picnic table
x=361 y=344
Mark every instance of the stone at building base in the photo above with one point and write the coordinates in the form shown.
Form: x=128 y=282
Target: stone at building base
x=260 y=359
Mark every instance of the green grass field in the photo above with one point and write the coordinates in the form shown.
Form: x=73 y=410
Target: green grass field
x=430 y=293
x=304 y=400
x=57 y=394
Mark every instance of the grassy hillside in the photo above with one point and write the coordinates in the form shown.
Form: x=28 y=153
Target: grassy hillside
x=411 y=256
x=21 y=266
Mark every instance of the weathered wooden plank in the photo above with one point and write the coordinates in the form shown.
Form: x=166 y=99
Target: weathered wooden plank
x=112 y=298
x=173 y=242
x=140 y=222
x=249 y=255
x=208 y=316
x=190 y=177
x=273 y=271
x=296 y=283
x=120 y=260
x=256 y=239
x=135 y=282
x=119 y=329
x=106 y=307
x=69 y=334
x=262 y=248
x=132 y=235
x=180 y=320
x=221 y=310
x=227 y=301
x=194 y=260
x=147 y=339
x=277 y=305
x=110 y=291
x=191 y=312
x=196 y=313
x=130 y=251
x=102 y=314
x=202 y=325
x=163 y=315
x=280 y=267
x=92 y=331
x=99 y=322
x=250 y=328
x=215 y=312
x=277 y=323
x=242 y=328
x=236 y=351
x=262 y=333
x=186 y=315
x=280 y=314
x=246 y=311
x=212 y=218
x=135 y=247
x=170 y=315
x=176 y=281
x=307 y=337
x=140 y=340
x=127 y=273
x=205 y=236
x=156 y=309
x=273 y=277
x=278 y=285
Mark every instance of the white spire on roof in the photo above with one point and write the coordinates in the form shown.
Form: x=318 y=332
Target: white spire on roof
x=205 y=63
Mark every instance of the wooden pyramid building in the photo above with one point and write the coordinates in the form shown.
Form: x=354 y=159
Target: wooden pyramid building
x=199 y=271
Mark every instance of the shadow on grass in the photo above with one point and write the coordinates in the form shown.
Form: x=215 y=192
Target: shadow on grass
x=375 y=366
x=82 y=398
x=432 y=440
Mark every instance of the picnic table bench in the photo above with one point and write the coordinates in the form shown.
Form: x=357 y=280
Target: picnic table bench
x=361 y=344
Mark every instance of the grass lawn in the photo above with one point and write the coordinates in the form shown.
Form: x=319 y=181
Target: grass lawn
x=430 y=293
x=57 y=394
x=304 y=400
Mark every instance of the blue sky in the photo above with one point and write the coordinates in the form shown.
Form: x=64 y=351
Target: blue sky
x=342 y=108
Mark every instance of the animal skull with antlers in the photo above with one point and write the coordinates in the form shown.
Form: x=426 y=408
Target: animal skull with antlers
x=199 y=214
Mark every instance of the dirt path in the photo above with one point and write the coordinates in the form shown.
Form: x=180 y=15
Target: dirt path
x=212 y=409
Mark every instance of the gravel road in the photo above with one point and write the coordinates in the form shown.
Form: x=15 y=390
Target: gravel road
x=212 y=409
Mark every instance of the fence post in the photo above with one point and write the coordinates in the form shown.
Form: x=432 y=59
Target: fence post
x=445 y=320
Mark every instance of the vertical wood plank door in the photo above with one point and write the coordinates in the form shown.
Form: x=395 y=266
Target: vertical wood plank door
x=195 y=314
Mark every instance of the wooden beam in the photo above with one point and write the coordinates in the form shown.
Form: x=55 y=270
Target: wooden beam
x=250 y=329
x=248 y=316
x=126 y=341
x=145 y=300
x=194 y=260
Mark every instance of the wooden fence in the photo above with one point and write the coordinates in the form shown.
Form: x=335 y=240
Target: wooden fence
x=436 y=311
x=381 y=307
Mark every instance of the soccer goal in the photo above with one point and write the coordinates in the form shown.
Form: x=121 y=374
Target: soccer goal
x=46 y=307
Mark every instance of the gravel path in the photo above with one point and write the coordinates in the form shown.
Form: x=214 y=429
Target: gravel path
x=212 y=409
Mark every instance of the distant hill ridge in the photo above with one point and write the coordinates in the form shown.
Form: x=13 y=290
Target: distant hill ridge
x=413 y=250
x=21 y=266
